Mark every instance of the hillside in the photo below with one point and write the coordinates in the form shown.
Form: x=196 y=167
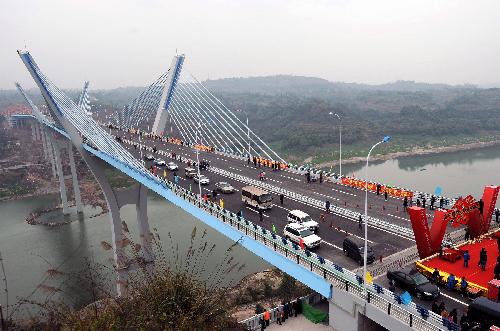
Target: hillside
x=291 y=113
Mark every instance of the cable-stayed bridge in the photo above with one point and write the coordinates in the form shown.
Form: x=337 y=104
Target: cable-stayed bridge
x=202 y=120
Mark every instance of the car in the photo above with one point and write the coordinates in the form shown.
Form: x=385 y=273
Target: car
x=354 y=247
x=224 y=187
x=297 y=216
x=413 y=281
x=295 y=232
x=160 y=163
x=202 y=179
x=149 y=157
x=190 y=172
x=172 y=166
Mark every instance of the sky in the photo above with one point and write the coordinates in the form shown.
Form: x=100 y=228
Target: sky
x=117 y=43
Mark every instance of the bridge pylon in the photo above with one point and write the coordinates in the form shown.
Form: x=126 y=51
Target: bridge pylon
x=79 y=126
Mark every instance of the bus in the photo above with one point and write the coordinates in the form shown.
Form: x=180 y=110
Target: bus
x=256 y=197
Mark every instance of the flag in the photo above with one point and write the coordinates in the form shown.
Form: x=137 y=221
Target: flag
x=369 y=277
x=164 y=173
x=406 y=298
x=189 y=187
x=274 y=229
x=301 y=243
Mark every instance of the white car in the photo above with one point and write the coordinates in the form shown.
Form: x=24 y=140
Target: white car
x=172 y=166
x=160 y=163
x=298 y=216
x=296 y=231
x=202 y=179
x=149 y=157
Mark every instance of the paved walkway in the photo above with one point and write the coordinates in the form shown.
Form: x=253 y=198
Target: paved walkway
x=299 y=323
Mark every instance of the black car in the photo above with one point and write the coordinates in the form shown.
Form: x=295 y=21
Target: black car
x=414 y=282
x=355 y=249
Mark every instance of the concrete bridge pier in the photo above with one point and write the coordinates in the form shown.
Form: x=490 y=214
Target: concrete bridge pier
x=33 y=131
x=43 y=138
x=76 y=187
x=57 y=147
x=50 y=152
x=344 y=310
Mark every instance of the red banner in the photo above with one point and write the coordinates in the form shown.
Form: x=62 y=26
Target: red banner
x=395 y=192
x=490 y=196
x=421 y=230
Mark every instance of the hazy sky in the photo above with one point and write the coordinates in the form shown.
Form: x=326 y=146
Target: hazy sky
x=116 y=43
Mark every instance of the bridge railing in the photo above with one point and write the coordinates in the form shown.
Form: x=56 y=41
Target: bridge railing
x=342 y=279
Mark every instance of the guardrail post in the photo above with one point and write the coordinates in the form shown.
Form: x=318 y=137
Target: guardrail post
x=324 y=273
x=369 y=297
x=411 y=320
x=389 y=309
x=298 y=259
x=274 y=244
x=311 y=265
x=347 y=286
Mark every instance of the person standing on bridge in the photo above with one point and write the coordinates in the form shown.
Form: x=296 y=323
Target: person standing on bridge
x=360 y=221
x=483 y=258
x=423 y=201
x=497 y=214
x=261 y=215
x=321 y=177
x=441 y=203
x=282 y=197
x=433 y=201
x=385 y=194
x=327 y=206
x=378 y=189
x=466 y=259
x=405 y=204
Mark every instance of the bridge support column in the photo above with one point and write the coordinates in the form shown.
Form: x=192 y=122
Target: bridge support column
x=344 y=310
x=60 y=174
x=76 y=188
x=33 y=131
x=43 y=137
x=50 y=152
x=37 y=131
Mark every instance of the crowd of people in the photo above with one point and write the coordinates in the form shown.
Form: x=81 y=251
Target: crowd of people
x=286 y=310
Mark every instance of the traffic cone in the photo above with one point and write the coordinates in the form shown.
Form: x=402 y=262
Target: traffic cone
x=383 y=207
x=345 y=203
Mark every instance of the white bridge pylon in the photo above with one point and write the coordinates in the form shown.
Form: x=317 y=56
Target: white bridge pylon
x=178 y=98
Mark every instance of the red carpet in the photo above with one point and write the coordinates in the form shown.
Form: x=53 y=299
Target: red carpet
x=473 y=273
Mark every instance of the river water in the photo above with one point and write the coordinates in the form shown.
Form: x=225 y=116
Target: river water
x=29 y=251
x=457 y=173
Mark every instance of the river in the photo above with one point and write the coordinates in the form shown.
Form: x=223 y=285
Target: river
x=29 y=251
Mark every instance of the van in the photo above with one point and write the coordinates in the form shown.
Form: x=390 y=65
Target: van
x=484 y=312
x=297 y=232
x=354 y=248
x=298 y=216
x=256 y=197
x=190 y=172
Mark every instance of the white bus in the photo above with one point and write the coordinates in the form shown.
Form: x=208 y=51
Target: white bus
x=256 y=197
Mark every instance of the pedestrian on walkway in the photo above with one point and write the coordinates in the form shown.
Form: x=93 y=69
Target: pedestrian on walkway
x=418 y=202
x=261 y=215
x=360 y=221
x=267 y=317
x=278 y=315
x=423 y=202
x=385 y=194
x=321 y=177
x=441 y=202
x=463 y=286
x=405 y=204
x=483 y=258
x=467 y=235
x=327 y=206
x=378 y=189
x=433 y=201
x=282 y=197
x=451 y=282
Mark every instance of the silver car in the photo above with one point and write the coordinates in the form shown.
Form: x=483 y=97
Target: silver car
x=224 y=187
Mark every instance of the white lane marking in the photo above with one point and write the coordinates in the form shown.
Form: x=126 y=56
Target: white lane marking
x=401 y=218
x=327 y=196
x=334 y=189
x=281 y=207
x=352 y=234
x=335 y=246
x=235 y=168
x=255 y=211
x=452 y=298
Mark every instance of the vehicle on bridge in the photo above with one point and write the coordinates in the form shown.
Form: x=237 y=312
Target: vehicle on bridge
x=256 y=197
x=149 y=157
x=172 y=166
x=160 y=162
x=355 y=247
x=413 y=281
x=202 y=179
x=298 y=216
x=190 y=172
x=224 y=187
x=297 y=232
x=483 y=313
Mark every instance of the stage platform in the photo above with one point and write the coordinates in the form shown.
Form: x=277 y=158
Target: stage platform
x=478 y=279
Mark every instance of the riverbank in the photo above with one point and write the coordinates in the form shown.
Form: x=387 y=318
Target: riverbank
x=416 y=151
